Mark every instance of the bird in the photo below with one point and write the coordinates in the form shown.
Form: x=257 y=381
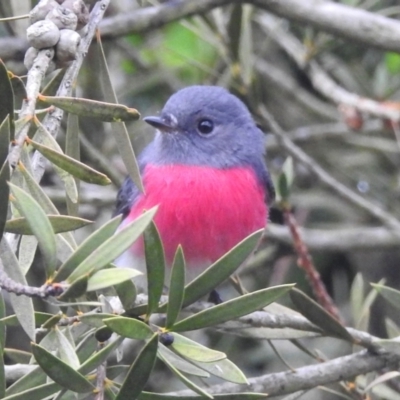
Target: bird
x=205 y=170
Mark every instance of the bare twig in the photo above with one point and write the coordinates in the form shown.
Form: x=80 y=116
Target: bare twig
x=386 y=218
x=319 y=78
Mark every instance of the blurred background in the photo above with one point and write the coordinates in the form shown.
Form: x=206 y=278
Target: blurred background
x=263 y=59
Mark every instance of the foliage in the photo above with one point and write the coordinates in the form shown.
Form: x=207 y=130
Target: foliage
x=92 y=335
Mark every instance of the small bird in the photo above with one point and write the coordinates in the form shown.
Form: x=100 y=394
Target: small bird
x=205 y=169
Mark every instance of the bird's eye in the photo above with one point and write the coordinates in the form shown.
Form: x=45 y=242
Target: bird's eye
x=205 y=126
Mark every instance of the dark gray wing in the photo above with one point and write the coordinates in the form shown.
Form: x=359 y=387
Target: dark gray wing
x=127 y=195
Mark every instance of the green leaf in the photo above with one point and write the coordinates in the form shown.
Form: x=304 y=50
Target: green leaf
x=194 y=351
x=129 y=327
x=180 y=363
x=114 y=246
x=61 y=372
x=76 y=289
x=107 y=112
x=86 y=248
x=6 y=100
x=392 y=61
x=119 y=130
x=185 y=380
x=66 y=350
x=221 y=270
x=155 y=267
x=32 y=379
x=232 y=309
x=318 y=316
x=26 y=252
x=22 y=305
x=230 y=396
x=109 y=277
x=48 y=140
x=4 y=195
x=390 y=294
x=59 y=223
x=224 y=369
x=139 y=372
x=95 y=319
x=4 y=135
x=36 y=392
x=38 y=193
x=176 y=288
x=72 y=166
x=73 y=150
x=40 y=225
x=127 y=294
x=100 y=356
x=17 y=356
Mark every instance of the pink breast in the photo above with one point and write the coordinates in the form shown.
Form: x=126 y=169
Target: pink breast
x=206 y=210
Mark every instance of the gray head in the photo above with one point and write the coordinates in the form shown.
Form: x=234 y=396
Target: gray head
x=205 y=125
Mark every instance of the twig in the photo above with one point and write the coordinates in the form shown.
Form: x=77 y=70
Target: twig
x=345 y=239
x=319 y=78
x=386 y=218
x=339 y=369
x=35 y=77
x=305 y=262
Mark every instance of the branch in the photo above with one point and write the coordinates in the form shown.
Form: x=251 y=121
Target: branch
x=298 y=154
x=346 y=22
x=339 y=369
x=319 y=78
x=345 y=239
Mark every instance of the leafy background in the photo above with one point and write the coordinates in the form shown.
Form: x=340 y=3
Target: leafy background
x=265 y=60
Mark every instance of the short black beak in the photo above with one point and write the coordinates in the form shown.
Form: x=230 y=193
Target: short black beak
x=164 y=124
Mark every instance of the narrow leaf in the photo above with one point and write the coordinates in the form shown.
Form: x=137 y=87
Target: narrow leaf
x=22 y=305
x=99 y=357
x=66 y=351
x=72 y=166
x=114 y=246
x=109 y=277
x=76 y=289
x=40 y=225
x=221 y=270
x=390 y=294
x=176 y=288
x=194 y=351
x=60 y=372
x=40 y=392
x=72 y=149
x=4 y=195
x=6 y=100
x=59 y=223
x=4 y=135
x=26 y=252
x=119 y=130
x=139 y=372
x=155 y=267
x=107 y=112
x=129 y=327
x=224 y=369
x=318 y=316
x=87 y=247
x=232 y=309
x=180 y=363
x=186 y=381
x=230 y=396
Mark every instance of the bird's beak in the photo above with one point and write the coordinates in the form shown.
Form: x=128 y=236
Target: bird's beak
x=166 y=123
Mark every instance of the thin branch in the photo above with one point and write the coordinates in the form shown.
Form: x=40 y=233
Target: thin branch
x=346 y=239
x=298 y=154
x=339 y=369
x=349 y=23
x=319 y=78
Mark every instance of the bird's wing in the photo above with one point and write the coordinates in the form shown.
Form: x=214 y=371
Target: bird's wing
x=127 y=195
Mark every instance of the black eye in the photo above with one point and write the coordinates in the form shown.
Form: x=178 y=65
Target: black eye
x=205 y=126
